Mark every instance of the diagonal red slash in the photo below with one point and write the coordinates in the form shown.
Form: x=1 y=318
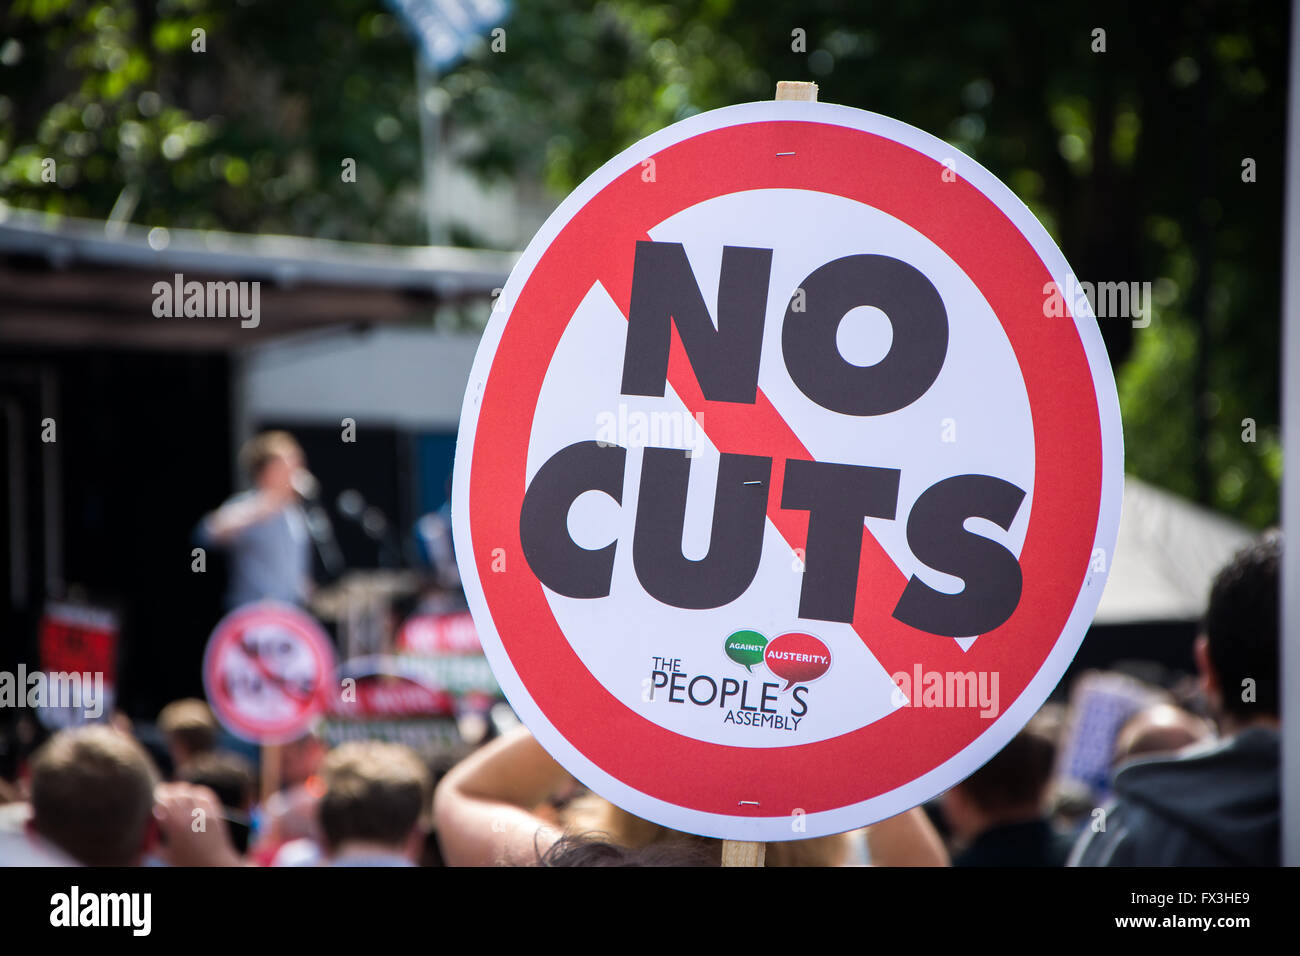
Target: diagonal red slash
x=275 y=679
x=759 y=429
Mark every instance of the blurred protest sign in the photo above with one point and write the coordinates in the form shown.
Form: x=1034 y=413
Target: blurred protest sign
x=1100 y=704
x=439 y=634
x=434 y=693
x=442 y=648
x=822 y=552
x=78 y=641
x=385 y=698
x=268 y=672
x=445 y=650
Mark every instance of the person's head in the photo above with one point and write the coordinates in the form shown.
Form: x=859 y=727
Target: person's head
x=1010 y=788
x=1237 y=652
x=231 y=778
x=591 y=849
x=228 y=775
x=1159 y=729
x=376 y=795
x=190 y=730
x=271 y=459
x=92 y=796
x=601 y=820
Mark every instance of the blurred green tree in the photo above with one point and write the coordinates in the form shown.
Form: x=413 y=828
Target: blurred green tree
x=1128 y=144
x=246 y=130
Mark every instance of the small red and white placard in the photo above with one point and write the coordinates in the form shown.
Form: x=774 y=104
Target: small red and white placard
x=269 y=672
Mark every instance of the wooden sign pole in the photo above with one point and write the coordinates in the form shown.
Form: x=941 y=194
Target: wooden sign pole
x=270 y=770
x=741 y=852
x=796 y=90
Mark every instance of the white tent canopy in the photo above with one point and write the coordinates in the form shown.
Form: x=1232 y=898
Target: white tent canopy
x=1166 y=557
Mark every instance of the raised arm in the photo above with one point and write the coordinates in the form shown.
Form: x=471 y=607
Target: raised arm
x=483 y=807
x=231 y=519
x=908 y=839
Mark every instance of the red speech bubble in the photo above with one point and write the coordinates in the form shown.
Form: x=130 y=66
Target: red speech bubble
x=797 y=658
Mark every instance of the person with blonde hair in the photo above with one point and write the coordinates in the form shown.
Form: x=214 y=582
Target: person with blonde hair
x=189 y=729
x=265 y=529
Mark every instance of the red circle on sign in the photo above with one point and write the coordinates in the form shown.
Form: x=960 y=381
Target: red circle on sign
x=597 y=244
x=227 y=639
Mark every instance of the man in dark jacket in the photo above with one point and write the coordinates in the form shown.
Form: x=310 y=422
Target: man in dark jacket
x=1215 y=805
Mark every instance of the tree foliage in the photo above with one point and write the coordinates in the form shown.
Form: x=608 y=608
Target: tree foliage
x=1131 y=155
x=248 y=134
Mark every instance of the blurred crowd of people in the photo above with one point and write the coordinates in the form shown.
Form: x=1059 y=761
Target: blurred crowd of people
x=1192 y=779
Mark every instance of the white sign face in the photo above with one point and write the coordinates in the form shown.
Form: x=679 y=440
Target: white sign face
x=784 y=491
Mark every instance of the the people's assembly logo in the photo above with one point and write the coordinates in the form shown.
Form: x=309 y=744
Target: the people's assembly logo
x=796 y=658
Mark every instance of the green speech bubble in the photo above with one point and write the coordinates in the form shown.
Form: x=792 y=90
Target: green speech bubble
x=746 y=648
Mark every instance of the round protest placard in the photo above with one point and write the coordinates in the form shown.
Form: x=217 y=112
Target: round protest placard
x=782 y=500
x=268 y=672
